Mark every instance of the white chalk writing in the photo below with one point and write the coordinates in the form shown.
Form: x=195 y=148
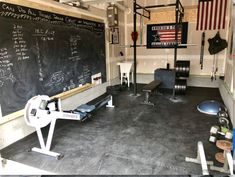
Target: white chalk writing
x=56 y=78
x=74 y=42
x=44 y=34
x=19 y=44
x=5 y=67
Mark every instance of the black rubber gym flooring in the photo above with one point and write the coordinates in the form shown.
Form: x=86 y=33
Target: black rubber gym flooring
x=131 y=139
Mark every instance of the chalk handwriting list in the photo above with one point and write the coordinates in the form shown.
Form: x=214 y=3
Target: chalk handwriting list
x=74 y=43
x=25 y=13
x=19 y=44
x=86 y=72
x=5 y=67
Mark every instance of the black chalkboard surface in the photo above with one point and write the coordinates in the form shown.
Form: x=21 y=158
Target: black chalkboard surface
x=46 y=53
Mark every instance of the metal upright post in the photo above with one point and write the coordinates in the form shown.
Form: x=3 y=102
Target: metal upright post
x=176 y=44
x=134 y=47
x=0 y=111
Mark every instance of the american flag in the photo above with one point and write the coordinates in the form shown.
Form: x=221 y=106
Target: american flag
x=168 y=35
x=211 y=14
x=163 y=35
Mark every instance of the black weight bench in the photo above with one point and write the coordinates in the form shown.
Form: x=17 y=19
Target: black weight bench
x=149 y=88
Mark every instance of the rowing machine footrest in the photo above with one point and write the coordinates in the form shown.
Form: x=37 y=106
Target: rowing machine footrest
x=85 y=108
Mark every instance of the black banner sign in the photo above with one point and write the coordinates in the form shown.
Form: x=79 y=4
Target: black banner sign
x=163 y=35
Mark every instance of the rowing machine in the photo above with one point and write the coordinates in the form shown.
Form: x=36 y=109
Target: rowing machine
x=41 y=111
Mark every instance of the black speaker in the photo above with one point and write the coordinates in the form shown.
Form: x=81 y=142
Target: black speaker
x=112 y=14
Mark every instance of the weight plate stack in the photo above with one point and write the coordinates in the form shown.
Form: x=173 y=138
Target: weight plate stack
x=182 y=68
x=180 y=86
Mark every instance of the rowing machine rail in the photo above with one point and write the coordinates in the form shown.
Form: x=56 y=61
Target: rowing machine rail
x=41 y=111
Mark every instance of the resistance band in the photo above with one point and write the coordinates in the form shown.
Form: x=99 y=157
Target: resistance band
x=141 y=30
x=202 y=49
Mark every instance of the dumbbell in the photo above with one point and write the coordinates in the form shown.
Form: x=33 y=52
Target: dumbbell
x=222 y=113
x=215 y=132
x=223 y=121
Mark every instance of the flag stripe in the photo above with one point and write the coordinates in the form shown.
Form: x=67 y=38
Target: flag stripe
x=215 y=16
x=198 y=14
x=169 y=40
x=211 y=13
x=202 y=16
x=166 y=33
x=206 y=19
x=172 y=36
x=165 y=38
x=169 y=37
x=225 y=9
x=220 y=13
x=168 y=30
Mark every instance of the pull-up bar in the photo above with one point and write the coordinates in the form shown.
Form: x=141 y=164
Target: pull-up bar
x=144 y=10
x=157 y=6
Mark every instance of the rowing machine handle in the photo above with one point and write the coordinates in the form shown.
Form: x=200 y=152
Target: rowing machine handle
x=53 y=100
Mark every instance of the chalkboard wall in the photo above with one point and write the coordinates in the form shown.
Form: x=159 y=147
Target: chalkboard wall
x=46 y=53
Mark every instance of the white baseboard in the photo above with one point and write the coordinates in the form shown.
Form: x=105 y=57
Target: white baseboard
x=202 y=81
x=194 y=81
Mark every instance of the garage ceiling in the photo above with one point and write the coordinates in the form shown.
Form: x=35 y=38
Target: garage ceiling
x=89 y=2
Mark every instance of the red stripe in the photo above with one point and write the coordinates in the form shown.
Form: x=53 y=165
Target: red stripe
x=170 y=30
x=215 y=16
x=170 y=36
x=165 y=36
x=173 y=32
x=225 y=8
x=168 y=33
x=207 y=9
x=169 y=40
x=202 y=16
x=211 y=15
x=198 y=13
x=220 y=13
